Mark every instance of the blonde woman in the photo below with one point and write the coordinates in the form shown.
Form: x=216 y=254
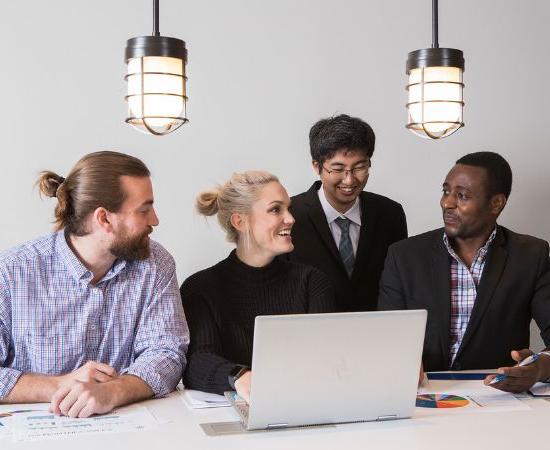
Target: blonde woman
x=222 y=302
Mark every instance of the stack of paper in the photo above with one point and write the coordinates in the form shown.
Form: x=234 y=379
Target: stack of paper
x=198 y=399
x=540 y=390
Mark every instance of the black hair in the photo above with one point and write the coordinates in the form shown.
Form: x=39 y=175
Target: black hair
x=329 y=135
x=499 y=173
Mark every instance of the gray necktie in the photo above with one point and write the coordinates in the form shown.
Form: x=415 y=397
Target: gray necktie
x=345 y=247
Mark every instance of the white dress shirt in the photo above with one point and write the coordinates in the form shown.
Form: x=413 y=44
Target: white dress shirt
x=353 y=214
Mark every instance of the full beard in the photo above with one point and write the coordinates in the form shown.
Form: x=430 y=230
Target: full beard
x=132 y=248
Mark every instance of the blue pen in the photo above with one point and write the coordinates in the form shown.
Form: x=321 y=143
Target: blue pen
x=525 y=362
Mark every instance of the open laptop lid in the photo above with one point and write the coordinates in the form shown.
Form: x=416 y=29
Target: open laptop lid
x=332 y=368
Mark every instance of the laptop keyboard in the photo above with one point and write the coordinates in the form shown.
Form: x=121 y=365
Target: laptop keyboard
x=242 y=409
x=240 y=405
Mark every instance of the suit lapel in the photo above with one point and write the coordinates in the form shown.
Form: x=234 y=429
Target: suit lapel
x=492 y=272
x=441 y=282
x=318 y=219
x=369 y=219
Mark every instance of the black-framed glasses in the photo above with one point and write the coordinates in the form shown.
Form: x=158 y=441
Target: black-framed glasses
x=358 y=171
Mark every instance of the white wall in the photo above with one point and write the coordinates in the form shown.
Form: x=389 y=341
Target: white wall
x=260 y=74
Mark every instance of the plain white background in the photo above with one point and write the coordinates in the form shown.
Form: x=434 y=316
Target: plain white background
x=260 y=74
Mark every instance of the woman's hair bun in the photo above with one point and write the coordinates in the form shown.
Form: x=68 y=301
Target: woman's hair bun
x=207 y=202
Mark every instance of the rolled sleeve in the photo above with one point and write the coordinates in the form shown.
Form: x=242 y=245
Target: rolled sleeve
x=8 y=376
x=163 y=337
x=8 y=379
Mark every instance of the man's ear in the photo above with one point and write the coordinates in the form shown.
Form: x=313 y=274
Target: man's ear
x=103 y=219
x=316 y=167
x=239 y=222
x=498 y=202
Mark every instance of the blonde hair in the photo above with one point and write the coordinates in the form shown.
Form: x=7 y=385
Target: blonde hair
x=93 y=182
x=236 y=196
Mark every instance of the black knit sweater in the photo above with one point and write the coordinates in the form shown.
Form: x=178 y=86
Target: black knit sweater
x=222 y=302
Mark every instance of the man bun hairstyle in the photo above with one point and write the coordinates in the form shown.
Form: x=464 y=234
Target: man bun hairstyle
x=329 y=135
x=93 y=182
x=499 y=172
x=236 y=196
x=49 y=183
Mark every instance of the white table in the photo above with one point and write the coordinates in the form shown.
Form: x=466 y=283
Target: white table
x=181 y=430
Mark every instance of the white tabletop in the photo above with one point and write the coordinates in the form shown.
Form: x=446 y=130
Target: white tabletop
x=180 y=429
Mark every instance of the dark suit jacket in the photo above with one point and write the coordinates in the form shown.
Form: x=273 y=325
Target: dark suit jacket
x=514 y=287
x=382 y=223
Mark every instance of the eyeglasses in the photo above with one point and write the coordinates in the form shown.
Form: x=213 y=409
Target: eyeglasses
x=357 y=172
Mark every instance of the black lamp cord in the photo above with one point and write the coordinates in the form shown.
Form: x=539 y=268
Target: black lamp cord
x=156 y=18
x=435 y=39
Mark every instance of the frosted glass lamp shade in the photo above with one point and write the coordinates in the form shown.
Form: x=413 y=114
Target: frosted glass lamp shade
x=157 y=100
x=435 y=103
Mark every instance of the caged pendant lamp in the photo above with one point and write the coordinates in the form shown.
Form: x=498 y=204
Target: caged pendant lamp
x=435 y=106
x=157 y=100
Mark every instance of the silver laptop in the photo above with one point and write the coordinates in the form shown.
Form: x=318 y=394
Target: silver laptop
x=314 y=369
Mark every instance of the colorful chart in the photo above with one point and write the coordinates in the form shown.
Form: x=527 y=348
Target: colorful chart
x=440 y=401
x=6 y=415
x=18 y=411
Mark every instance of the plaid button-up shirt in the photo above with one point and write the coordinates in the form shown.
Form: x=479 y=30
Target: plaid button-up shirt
x=53 y=320
x=464 y=282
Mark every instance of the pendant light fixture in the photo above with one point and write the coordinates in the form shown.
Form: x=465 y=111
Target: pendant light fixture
x=157 y=100
x=435 y=88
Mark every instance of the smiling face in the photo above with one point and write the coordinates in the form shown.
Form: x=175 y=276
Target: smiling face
x=270 y=222
x=469 y=211
x=135 y=220
x=341 y=189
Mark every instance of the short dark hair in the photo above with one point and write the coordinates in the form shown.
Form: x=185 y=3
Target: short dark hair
x=499 y=173
x=329 y=135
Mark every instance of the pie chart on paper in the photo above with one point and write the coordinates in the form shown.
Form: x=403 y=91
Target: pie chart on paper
x=440 y=401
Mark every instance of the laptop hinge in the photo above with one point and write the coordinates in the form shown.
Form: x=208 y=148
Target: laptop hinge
x=388 y=417
x=274 y=426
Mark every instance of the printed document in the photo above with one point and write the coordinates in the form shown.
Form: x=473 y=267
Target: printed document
x=198 y=399
x=41 y=425
x=540 y=390
x=480 y=398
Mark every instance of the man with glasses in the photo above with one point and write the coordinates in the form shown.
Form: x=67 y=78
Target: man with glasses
x=341 y=229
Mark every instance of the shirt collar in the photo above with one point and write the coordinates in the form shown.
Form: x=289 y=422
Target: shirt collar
x=353 y=214
x=482 y=252
x=75 y=266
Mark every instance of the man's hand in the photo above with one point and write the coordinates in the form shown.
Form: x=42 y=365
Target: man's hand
x=83 y=399
x=242 y=386
x=82 y=392
x=520 y=379
x=91 y=371
x=33 y=388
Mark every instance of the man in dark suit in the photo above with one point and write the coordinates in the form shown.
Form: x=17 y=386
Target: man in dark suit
x=480 y=282
x=340 y=229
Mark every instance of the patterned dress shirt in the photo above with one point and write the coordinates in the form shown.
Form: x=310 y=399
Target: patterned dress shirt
x=53 y=320
x=464 y=283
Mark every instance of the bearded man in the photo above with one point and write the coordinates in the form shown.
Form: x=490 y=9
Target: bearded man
x=91 y=315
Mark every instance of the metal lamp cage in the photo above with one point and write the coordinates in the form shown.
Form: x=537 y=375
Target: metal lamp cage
x=157 y=100
x=435 y=104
